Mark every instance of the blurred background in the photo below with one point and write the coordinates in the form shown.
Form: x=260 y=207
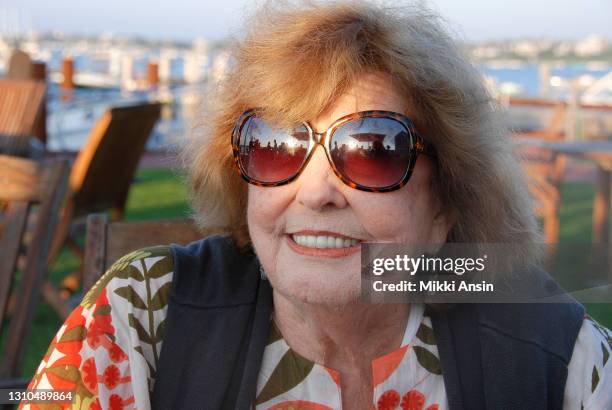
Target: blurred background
x=548 y=63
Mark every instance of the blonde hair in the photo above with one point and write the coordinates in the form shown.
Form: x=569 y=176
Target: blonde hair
x=295 y=58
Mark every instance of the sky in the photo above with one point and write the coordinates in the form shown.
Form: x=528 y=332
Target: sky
x=472 y=20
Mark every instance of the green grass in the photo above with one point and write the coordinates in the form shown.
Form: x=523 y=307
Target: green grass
x=576 y=227
x=158 y=194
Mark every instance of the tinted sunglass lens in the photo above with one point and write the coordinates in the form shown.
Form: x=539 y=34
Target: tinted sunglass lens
x=373 y=152
x=269 y=154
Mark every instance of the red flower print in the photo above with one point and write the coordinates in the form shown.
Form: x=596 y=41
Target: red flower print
x=111 y=376
x=102 y=322
x=383 y=367
x=90 y=375
x=116 y=354
x=432 y=407
x=389 y=400
x=413 y=400
x=99 y=328
x=115 y=402
x=93 y=338
x=95 y=405
x=68 y=341
x=335 y=376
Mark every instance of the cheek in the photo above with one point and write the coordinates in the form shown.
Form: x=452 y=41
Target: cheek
x=406 y=215
x=265 y=209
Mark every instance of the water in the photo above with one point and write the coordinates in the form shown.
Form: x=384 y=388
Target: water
x=69 y=123
x=527 y=75
x=91 y=64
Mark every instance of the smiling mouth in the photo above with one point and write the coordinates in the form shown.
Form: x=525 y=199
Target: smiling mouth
x=323 y=244
x=324 y=241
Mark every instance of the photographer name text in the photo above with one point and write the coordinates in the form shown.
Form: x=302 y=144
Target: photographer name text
x=433 y=286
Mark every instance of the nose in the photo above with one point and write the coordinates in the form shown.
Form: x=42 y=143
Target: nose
x=318 y=186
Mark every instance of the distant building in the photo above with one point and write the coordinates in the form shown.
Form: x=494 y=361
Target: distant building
x=528 y=49
x=563 y=49
x=485 y=52
x=592 y=45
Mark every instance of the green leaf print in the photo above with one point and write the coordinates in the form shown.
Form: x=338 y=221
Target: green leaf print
x=66 y=372
x=594 y=379
x=428 y=360
x=139 y=350
x=123 y=262
x=131 y=296
x=160 y=299
x=83 y=397
x=160 y=268
x=426 y=334
x=143 y=335
x=123 y=269
x=130 y=272
x=161 y=331
x=103 y=310
x=145 y=294
x=74 y=334
x=288 y=373
x=151 y=368
x=606 y=354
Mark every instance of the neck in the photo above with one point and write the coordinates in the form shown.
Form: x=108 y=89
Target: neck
x=342 y=338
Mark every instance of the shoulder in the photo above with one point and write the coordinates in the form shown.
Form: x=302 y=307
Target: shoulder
x=130 y=303
x=144 y=265
x=214 y=272
x=108 y=348
x=589 y=381
x=211 y=271
x=212 y=262
x=550 y=327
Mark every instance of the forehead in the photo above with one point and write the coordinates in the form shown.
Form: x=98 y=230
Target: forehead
x=373 y=91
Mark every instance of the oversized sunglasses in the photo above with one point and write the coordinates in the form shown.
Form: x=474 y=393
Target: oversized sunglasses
x=372 y=151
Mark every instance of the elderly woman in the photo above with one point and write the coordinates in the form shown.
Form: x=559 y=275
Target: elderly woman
x=347 y=123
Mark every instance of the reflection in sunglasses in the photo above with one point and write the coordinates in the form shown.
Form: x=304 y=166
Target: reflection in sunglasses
x=369 y=151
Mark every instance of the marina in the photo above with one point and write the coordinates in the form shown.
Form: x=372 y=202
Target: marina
x=105 y=71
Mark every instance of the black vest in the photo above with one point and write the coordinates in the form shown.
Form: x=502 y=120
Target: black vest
x=494 y=356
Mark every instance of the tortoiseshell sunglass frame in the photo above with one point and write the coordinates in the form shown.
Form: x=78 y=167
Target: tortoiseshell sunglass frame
x=417 y=145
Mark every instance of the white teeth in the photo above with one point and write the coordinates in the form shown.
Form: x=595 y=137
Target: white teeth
x=310 y=241
x=322 y=242
x=331 y=242
x=338 y=243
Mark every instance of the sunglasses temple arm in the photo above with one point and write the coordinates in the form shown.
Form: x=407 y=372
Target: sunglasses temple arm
x=424 y=148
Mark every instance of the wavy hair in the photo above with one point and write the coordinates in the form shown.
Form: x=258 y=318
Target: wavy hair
x=295 y=57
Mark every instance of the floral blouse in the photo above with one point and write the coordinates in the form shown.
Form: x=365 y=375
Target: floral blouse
x=106 y=353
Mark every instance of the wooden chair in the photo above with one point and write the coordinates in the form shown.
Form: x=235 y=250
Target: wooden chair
x=19 y=65
x=21 y=104
x=103 y=172
x=101 y=176
x=106 y=242
x=25 y=185
x=545 y=169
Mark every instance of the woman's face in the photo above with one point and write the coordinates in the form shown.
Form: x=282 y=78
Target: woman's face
x=319 y=205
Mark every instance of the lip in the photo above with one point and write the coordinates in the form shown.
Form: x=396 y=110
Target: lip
x=322 y=252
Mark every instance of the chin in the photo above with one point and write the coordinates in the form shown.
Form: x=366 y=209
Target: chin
x=317 y=288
